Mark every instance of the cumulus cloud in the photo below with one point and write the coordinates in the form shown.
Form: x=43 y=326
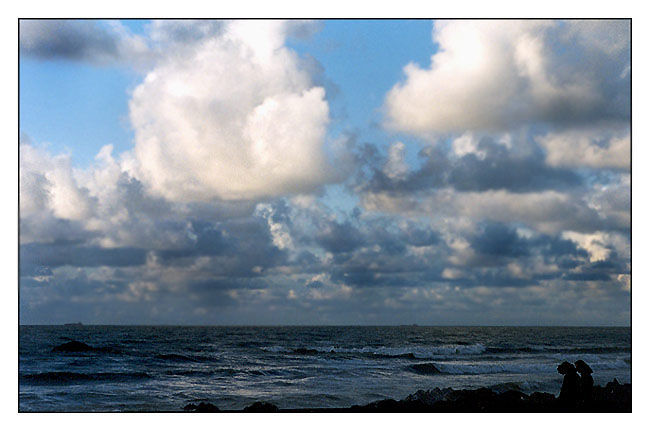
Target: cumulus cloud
x=493 y=75
x=235 y=117
x=48 y=183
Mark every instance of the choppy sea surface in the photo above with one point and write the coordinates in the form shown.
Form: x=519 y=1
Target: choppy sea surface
x=162 y=368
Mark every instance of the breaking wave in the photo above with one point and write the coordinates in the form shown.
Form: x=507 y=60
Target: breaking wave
x=501 y=368
x=416 y=352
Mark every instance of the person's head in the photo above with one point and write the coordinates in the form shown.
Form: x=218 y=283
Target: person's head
x=582 y=367
x=566 y=368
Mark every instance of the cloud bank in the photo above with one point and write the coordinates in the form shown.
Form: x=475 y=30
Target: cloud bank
x=496 y=204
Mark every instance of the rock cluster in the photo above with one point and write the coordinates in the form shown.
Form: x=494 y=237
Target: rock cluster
x=201 y=408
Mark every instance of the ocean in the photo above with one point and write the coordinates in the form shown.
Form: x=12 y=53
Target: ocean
x=163 y=368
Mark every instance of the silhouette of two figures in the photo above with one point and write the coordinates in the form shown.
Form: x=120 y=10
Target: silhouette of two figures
x=578 y=384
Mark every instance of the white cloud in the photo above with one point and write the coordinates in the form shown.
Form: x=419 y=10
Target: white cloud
x=396 y=166
x=491 y=75
x=590 y=149
x=234 y=117
x=102 y=201
x=279 y=231
x=48 y=183
x=467 y=143
x=595 y=243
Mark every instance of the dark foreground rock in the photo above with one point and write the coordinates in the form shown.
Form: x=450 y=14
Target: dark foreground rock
x=261 y=407
x=613 y=398
x=201 y=408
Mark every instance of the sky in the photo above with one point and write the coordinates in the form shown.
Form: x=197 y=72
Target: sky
x=325 y=172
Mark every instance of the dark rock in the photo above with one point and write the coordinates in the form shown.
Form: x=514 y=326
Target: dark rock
x=477 y=400
x=429 y=398
x=201 y=408
x=261 y=407
x=73 y=347
x=387 y=405
x=500 y=388
x=541 y=398
x=613 y=397
x=511 y=401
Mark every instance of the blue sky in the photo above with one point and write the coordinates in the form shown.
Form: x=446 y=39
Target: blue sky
x=333 y=172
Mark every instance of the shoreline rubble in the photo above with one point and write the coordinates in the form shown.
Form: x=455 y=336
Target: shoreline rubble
x=614 y=397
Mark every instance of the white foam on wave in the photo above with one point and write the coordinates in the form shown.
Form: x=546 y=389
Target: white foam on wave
x=572 y=357
x=276 y=349
x=514 y=368
x=420 y=352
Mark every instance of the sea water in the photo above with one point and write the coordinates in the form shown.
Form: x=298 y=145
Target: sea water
x=163 y=368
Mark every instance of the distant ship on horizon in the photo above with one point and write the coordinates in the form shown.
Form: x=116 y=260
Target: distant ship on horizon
x=73 y=324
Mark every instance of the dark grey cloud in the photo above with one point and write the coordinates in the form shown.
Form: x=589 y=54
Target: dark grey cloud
x=78 y=40
x=169 y=32
x=419 y=236
x=52 y=255
x=492 y=167
x=500 y=170
x=340 y=237
x=497 y=239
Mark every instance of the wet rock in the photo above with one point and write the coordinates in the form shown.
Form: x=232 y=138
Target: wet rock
x=542 y=401
x=201 y=408
x=430 y=397
x=261 y=407
x=511 y=401
x=387 y=405
x=500 y=388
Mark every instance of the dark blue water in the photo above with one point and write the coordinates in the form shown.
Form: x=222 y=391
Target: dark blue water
x=158 y=368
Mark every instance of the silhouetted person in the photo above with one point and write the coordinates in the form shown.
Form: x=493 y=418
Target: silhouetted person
x=585 y=382
x=569 y=391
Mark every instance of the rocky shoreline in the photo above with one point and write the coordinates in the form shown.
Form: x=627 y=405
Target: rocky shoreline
x=612 y=398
